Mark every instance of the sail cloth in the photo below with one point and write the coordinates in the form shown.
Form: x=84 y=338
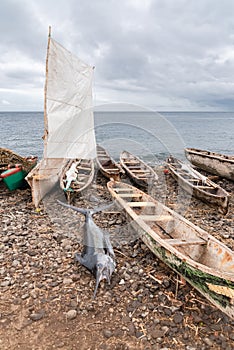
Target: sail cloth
x=69 y=123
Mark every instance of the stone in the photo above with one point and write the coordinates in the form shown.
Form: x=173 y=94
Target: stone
x=208 y=341
x=178 y=317
x=5 y=283
x=107 y=333
x=157 y=333
x=71 y=314
x=67 y=280
x=36 y=316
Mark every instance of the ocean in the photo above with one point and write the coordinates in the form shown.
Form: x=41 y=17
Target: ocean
x=152 y=136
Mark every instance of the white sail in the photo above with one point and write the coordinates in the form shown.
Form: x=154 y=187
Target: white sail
x=69 y=124
x=68 y=118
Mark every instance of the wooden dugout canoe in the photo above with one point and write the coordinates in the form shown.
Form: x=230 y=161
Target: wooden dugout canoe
x=10 y=158
x=138 y=171
x=107 y=165
x=205 y=262
x=43 y=178
x=76 y=176
x=214 y=163
x=198 y=185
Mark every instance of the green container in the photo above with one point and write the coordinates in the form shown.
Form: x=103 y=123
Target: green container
x=14 y=181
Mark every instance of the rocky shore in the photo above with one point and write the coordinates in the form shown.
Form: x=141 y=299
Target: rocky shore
x=46 y=298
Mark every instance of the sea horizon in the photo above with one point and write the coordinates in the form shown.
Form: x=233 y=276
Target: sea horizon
x=148 y=133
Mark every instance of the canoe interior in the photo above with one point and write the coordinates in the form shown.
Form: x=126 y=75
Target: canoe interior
x=206 y=263
x=194 y=178
x=138 y=170
x=172 y=229
x=85 y=173
x=107 y=164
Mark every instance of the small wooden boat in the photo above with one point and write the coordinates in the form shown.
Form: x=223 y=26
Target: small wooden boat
x=140 y=172
x=43 y=178
x=68 y=118
x=214 y=163
x=205 y=262
x=107 y=165
x=9 y=159
x=198 y=185
x=76 y=176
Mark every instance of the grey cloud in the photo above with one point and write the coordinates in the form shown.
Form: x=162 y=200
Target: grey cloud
x=20 y=29
x=160 y=51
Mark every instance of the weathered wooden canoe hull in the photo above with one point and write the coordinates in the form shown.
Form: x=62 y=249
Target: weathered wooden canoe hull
x=141 y=183
x=107 y=165
x=212 y=162
x=221 y=201
x=150 y=176
x=215 y=283
x=205 y=283
x=43 y=178
x=85 y=177
x=8 y=157
x=108 y=174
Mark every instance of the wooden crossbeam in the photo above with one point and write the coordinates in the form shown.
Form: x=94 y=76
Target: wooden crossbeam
x=141 y=204
x=83 y=168
x=156 y=217
x=112 y=169
x=131 y=161
x=139 y=171
x=123 y=189
x=123 y=195
x=208 y=187
x=177 y=241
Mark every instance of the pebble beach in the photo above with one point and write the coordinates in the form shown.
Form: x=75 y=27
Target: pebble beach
x=46 y=299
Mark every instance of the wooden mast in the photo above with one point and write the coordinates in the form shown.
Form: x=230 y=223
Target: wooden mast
x=45 y=137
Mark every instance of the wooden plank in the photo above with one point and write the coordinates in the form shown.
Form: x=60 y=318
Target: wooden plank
x=123 y=189
x=131 y=162
x=144 y=176
x=177 y=241
x=140 y=171
x=111 y=169
x=141 y=204
x=128 y=195
x=156 y=217
x=83 y=168
x=209 y=187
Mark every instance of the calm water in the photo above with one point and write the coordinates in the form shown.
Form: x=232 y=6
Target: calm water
x=148 y=134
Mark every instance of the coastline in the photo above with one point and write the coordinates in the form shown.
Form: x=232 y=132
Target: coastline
x=46 y=299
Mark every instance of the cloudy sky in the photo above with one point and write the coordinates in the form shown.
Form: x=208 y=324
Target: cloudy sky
x=160 y=54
